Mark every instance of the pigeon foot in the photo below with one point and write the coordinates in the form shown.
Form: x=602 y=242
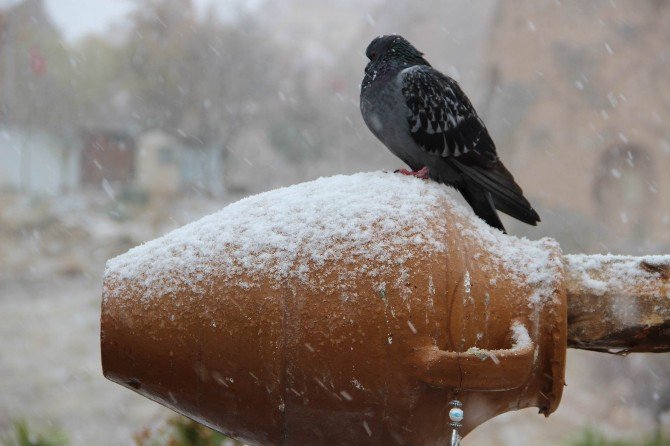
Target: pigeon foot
x=421 y=173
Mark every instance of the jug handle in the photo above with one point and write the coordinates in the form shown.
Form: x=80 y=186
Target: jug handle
x=478 y=369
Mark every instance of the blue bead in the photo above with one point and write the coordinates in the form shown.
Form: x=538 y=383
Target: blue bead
x=456 y=414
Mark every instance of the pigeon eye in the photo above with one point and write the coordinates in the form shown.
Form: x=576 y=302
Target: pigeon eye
x=373 y=55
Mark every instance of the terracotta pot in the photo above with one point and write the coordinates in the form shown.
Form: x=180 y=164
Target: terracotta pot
x=362 y=339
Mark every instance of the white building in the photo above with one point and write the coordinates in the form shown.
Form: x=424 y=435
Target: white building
x=37 y=162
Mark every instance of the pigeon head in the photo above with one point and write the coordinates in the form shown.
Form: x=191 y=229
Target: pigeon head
x=392 y=51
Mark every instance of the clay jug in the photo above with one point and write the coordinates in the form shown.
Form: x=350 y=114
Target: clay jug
x=347 y=310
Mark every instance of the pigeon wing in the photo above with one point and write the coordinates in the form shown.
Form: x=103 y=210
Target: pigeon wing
x=443 y=122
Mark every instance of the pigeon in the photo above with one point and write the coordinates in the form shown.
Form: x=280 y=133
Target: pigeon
x=423 y=117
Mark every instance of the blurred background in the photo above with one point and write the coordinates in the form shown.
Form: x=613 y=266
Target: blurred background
x=121 y=120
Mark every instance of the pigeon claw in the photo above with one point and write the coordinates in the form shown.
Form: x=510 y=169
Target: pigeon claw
x=421 y=173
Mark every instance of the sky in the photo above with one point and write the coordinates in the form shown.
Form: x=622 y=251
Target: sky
x=77 y=18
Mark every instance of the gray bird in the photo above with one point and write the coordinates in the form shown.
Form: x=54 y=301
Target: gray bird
x=426 y=120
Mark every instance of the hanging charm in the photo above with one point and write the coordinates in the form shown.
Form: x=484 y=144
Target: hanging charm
x=456 y=416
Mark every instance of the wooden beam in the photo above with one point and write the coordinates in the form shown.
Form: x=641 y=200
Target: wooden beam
x=618 y=304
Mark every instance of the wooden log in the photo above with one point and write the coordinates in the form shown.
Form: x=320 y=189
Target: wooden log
x=618 y=304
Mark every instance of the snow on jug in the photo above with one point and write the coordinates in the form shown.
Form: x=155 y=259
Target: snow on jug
x=346 y=310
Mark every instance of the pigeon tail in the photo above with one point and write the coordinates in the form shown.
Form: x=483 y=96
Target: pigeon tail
x=481 y=201
x=518 y=208
x=506 y=195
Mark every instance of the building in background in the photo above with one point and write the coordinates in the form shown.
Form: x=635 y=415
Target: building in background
x=167 y=166
x=40 y=163
x=579 y=104
x=36 y=162
x=107 y=155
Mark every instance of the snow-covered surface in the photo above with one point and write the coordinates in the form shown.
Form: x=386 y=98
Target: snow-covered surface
x=367 y=220
x=521 y=342
x=524 y=260
x=520 y=337
x=279 y=234
x=601 y=274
